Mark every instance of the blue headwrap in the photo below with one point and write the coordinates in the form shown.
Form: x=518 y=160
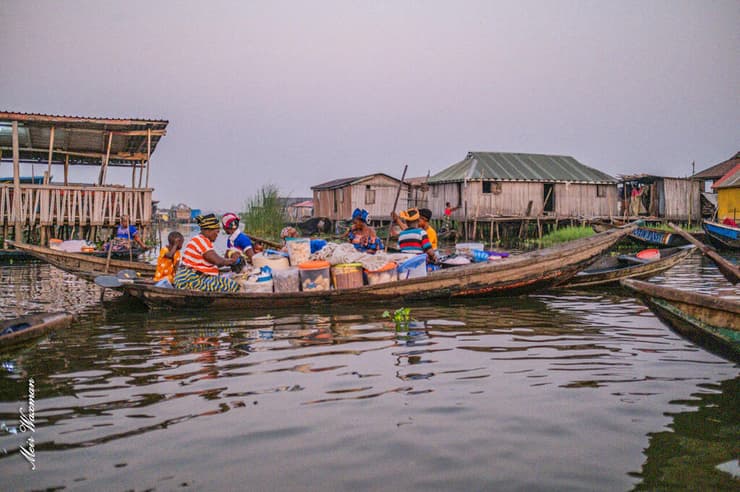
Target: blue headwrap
x=360 y=214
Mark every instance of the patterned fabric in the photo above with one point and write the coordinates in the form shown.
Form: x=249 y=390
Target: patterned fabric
x=410 y=214
x=432 y=236
x=187 y=278
x=238 y=240
x=207 y=221
x=413 y=241
x=166 y=266
x=228 y=219
x=366 y=244
x=193 y=255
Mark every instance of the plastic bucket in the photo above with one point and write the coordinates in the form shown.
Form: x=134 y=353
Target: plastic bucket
x=299 y=249
x=287 y=280
x=274 y=261
x=413 y=268
x=314 y=275
x=386 y=273
x=347 y=275
x=468 y=248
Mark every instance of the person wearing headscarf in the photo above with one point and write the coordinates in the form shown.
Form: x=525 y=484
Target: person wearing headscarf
x=361 y=235
x=200 y=262
x=237 y=240
x=414 y=239
x=425 y=215
x=126 y=236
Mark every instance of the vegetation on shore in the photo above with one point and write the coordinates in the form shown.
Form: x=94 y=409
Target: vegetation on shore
x=565 y=234
x=264 y=214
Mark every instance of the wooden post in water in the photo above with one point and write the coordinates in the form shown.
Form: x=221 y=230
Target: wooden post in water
x=16 y=206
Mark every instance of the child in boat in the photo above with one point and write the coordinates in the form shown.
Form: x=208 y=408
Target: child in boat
x=169 y=257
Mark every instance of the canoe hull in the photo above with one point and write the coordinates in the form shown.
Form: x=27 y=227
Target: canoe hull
x=39 y=324
x=640 y=271
x=515 y=275
x=709 y=321
x=722 y=236
x=84 y=266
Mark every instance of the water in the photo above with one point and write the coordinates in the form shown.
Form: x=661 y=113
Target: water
x=558 y=391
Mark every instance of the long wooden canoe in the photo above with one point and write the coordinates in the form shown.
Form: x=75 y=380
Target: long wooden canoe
x=514 y=275
x=647 y=235
x=723 y=236
x=710 y=321
x=82 y=265
x=612 y=269
x=17 y=330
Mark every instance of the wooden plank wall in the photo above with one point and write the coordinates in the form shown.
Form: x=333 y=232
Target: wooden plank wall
x=576 y=200
x=385 y=194
x=47 y=205
x=681 y=197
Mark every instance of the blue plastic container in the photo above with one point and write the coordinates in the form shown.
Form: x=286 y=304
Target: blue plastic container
x=479 y=256
x=413 y=267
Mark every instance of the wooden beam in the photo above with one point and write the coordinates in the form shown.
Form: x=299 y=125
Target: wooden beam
x=16 y=184
x=42 y=118
x=51 y=153
x=126 y=156
x=66 y=170
x=148 y=153
x=106 y=159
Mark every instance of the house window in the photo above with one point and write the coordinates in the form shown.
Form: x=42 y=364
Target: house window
x=340 y=196
x=601 y=191
x=493 y=187
x=369 y=196
x=435 y=191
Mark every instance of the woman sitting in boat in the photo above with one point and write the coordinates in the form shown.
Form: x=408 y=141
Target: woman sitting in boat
x=237 y=240
x=414 y=239
x=126 y=237
x=361 y=235
x=200 y=262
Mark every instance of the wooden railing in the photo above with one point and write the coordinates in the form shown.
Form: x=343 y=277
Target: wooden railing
x=47 y=205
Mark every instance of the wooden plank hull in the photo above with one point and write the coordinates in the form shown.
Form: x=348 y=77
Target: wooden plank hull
x=595 y=276
x=723 y=236
x=26 y=327
x=709 y=321
x=84 y=266
x=515 y=275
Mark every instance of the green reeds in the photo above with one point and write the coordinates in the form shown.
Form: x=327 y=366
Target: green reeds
x=565 y=234
x=264 y=214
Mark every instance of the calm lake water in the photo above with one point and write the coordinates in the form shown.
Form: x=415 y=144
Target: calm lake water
x=581 y=390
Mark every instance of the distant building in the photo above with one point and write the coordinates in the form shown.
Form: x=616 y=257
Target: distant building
x=375 y=193
x=180 y=213
x=712 y=174
x=299 y=210
x=728 y=195
x=517 y=185
x=661 y=197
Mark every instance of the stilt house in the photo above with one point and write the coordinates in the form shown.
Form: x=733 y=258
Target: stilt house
x=375 y=193
x=660 y=197
x=498 y=184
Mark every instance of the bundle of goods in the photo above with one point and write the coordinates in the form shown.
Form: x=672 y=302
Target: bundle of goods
x=287 y=280
x=314 y=275
x=257 y=281
x=347 y=276
x=299 y=249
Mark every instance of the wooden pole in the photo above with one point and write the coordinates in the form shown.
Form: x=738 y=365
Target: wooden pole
x=66 y=170
x=395 y=204
x=730 y=271
x=15 y=216
x=148 y=153
x=47 y=178
x=106 y=159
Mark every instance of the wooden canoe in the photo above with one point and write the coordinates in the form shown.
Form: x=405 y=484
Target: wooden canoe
x=17 y=330
x=710 y=321
x=83 y=265
x=514 y=275
x=723 y=236
x=612 y=269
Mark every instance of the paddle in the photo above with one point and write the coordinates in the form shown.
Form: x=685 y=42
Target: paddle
x=114 y=281
x=730 y=271
x=395 y=204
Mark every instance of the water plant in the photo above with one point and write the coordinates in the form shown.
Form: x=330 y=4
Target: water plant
x=401 y=317
x=264 y=213
x=565 y=234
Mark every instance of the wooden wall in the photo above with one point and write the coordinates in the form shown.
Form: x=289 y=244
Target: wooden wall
x=570 y=199
x=355 y=196
x=680 y=197
x=728 y=204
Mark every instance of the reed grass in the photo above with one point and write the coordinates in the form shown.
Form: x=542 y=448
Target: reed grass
x=264 y=214
x=565 y=234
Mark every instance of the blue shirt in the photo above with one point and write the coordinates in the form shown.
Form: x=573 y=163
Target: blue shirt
x=241 y=242
x=122 y=232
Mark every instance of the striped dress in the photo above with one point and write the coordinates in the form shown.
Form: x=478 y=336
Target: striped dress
x=199 y=274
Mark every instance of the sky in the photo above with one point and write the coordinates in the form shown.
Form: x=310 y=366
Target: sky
x=296 y=93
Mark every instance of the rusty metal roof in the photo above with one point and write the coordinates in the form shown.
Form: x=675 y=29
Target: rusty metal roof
x=342 y=182
x=83 y=140
x=501 y=166
x=719 y=170
x=729 y=180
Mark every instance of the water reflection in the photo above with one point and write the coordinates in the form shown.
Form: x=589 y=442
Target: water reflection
x=472 y=396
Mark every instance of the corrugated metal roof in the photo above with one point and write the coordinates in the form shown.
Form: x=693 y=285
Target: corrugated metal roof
x=341 y=182
x=719 y=170
x=520 y=167
x=729 y=180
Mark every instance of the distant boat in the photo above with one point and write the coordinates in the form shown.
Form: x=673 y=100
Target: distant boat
x=722 y=235
x=17 y=330
x=647 y=235
x=709 y=321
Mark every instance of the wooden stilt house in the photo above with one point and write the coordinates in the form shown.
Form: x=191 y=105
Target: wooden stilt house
x=41 y=206
x=375 y=193
x=677 y=199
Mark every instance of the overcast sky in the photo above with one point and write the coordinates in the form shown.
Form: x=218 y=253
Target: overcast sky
x=300 y=92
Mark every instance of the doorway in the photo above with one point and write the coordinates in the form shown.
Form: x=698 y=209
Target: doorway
x=549 y=197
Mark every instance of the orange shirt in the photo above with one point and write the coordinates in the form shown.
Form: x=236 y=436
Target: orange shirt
x=192 y=257
x=166 y=266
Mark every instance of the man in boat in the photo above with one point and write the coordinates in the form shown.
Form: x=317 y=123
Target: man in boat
x=414 y=239
x=237 y=240
x=425 y=215
x=200 y=262
x=125 y=235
